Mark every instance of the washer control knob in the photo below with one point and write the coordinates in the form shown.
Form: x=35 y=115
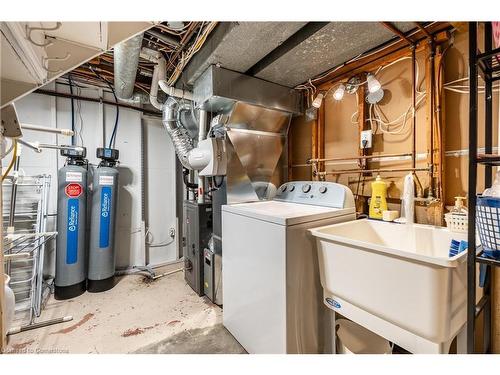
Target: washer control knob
x=306 y=188
x=322 y=189
x=283 y=188
x=292 y=188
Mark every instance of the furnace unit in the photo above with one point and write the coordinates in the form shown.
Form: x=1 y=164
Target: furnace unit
x=198 y=229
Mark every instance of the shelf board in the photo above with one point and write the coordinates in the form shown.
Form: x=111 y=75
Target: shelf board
x=489 y=63
x=481 y=258
x=488 y=159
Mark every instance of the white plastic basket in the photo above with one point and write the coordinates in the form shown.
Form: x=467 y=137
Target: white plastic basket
x=456 y=223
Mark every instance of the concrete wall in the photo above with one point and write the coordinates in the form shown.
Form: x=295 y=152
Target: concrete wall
x=159 y=169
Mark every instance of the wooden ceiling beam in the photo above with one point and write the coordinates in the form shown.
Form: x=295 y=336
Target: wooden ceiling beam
x=398 y=32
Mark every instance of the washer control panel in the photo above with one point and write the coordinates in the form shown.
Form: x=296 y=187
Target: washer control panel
x=318 y=193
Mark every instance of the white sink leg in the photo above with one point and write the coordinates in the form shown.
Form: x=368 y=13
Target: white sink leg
x=462 y=340
x=334 y=339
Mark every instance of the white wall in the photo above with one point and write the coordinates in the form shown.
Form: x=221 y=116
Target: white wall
x=160 y=193
x=98 y=121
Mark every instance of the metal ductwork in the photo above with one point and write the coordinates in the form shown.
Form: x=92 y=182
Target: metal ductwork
x=126 y=61
x=258 y=116
x=183 y=144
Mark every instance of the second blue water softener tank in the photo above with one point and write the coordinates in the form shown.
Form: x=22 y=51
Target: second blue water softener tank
x=101 y=269
x=71 y=264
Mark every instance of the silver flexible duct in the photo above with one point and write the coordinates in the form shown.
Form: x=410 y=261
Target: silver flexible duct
x=183 y=144
x=126 y=60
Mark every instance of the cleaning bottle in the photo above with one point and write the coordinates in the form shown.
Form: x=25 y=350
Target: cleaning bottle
x=457 y=218
x=378 y=202
x=459 y=207
x=494 y=190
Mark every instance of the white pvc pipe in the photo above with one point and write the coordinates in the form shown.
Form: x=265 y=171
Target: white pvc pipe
x=159 y=75
x=172 y=91
x=45 y=129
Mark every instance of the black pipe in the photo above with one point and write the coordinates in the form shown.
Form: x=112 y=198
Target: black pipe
x=72 y=111
x=471 y=232
x=188 y=184
x=488 y=149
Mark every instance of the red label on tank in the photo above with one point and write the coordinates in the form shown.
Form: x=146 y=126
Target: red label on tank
x=73 y=190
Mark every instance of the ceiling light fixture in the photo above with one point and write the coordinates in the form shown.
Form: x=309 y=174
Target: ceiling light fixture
x=339 y=92
x=352 y=85
x=317 y=101
x=175 y=25
x=373 y=83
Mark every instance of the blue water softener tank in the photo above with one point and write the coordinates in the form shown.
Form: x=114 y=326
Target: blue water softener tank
x=71 y=271
x=101 y=271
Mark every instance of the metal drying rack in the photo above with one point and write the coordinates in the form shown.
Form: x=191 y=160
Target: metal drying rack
x=25 y=203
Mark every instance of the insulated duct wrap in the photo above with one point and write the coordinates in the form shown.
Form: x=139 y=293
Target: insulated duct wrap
x=126 y=61
x=183 y=144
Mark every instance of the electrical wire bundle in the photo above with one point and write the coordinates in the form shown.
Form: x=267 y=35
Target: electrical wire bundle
x=463 y=88
x=13 y=148
x=377 y=118
x=115 y=127
x=203 y=32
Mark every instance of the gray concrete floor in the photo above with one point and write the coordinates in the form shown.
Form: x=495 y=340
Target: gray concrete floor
x=136 y=316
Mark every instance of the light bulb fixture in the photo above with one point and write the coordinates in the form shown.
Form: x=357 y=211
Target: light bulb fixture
x=373 y=83
x=175 y=25
x=352 y=85
x=317 y=101
x=339 y=92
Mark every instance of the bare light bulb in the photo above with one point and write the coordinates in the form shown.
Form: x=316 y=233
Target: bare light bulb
x=317 y=101
x=175 y=25
x=339 y=92
x=373 y=83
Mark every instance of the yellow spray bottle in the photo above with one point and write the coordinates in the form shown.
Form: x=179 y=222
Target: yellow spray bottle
x=378 y=202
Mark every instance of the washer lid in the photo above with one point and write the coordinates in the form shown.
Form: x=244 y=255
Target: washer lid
x=285 y=213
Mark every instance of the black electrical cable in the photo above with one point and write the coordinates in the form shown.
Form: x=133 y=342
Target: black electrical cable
x=113 y=133
x=72 y=110
x=217 y=185
x=188 y=184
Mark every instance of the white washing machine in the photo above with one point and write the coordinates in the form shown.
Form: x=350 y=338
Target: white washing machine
x=271 y=285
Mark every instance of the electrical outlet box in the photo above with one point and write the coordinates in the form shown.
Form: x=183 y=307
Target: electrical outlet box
x=366 y=139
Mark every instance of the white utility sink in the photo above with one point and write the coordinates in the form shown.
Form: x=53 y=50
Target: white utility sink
x=395 y=280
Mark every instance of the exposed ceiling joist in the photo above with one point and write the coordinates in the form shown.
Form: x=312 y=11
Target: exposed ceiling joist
x=293 y=41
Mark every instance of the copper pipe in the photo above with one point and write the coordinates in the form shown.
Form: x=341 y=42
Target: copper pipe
x=420 y=189
x=311 y=161
x=398 y=32
x=432 y=107
x=380 y=170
